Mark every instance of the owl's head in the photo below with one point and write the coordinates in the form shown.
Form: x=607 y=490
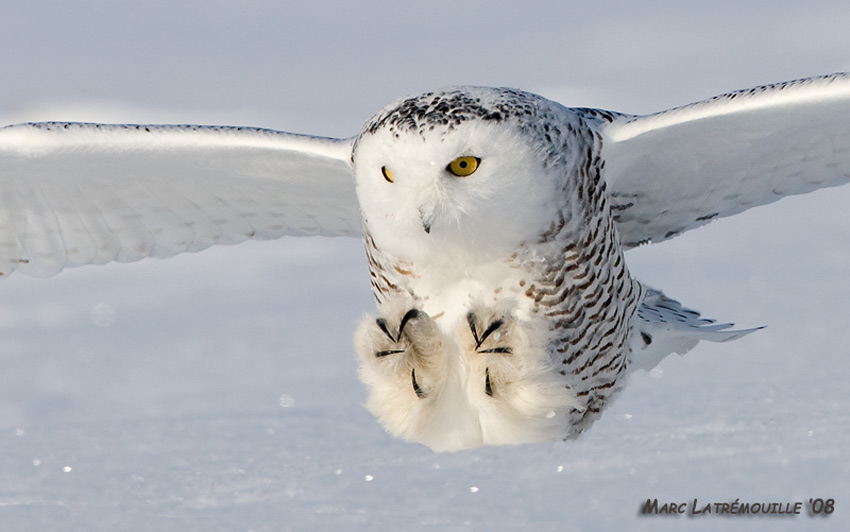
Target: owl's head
x=444 y=169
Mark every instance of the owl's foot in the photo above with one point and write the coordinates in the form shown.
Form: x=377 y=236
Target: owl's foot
x=490 y=335
x=402 y=343
x=413 y=333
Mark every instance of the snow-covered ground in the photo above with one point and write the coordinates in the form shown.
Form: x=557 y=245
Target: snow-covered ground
x=217 y=391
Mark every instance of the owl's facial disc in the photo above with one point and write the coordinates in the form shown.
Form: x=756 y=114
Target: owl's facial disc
x=440 y=171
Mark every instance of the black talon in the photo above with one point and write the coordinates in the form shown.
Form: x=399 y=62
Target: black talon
x=502 y=350
x=410 y=315
x=382 y=324
x=470 y=319
x=380 y=354
x=419 y=393
x=488 y=389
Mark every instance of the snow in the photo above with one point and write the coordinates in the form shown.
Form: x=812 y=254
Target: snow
x=218 y=391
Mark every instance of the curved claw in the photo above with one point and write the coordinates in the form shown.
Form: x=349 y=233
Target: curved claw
x=419 y=393
x=501 y=350
x=409 y=315
x=382 y=324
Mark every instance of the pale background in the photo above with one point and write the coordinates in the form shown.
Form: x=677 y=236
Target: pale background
x=217 y=391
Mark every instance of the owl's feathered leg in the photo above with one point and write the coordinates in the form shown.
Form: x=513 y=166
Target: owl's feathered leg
x=494 y=340
x=512 y=381
x=404 y=365
x=403 y=342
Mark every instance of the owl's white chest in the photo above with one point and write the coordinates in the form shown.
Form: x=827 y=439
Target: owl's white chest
x=448 y=288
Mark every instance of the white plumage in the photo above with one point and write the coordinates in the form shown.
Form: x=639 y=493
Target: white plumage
x=75 y=194
x=494 y=220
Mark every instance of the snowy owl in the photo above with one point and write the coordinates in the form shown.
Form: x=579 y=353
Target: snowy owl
x=494 y=221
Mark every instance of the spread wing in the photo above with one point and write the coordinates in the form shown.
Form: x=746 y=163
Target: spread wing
x=676 y=170
x=74 y=194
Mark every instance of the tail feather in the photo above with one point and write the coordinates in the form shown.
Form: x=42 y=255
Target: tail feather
x=664 y=326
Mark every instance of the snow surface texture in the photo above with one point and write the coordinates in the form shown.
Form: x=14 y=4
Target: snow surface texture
x=217 y=391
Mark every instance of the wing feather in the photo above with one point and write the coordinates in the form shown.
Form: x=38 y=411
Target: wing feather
x=74 y=193
x=679 y=169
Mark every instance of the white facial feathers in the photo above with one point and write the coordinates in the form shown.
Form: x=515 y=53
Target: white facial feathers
x=503 y=202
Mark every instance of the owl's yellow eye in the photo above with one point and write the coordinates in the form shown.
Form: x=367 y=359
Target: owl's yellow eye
x=463 y=166
x=387 y=174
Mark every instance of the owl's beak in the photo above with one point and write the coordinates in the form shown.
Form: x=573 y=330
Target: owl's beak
x=427 y=220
